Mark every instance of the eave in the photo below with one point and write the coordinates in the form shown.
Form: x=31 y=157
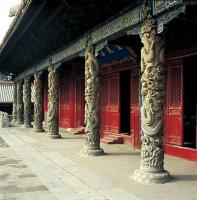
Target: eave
x=105 y=31
x=55 y=25
x=126 y=22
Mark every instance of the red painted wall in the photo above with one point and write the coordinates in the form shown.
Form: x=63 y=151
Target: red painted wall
x=71 y=104
x=45 y=94
x=181 y=152
x=135 y=107
x=79 y=102
x=109 y=104
x=72 y=108
x=173 y=105
x=67 y=102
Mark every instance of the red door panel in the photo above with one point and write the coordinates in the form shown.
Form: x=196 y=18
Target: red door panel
x=109 y=103
x=104 y=88
x=79 y=102
x=175 y=121
x=67 y=104
x=45 y=95
x=166 y=104
x=134 y=108
x=113 y=109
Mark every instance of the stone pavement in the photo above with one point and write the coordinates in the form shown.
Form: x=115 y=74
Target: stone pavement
x=17 y=181
x=35 y=167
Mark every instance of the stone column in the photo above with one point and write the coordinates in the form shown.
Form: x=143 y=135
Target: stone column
x=92 y=136
x=14 y=109
x=151 y=168
x=38 y=104
x=20 y=102
x=27 y=102
x=53 y=104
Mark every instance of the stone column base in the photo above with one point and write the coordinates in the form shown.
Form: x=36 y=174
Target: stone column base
x=148 y=178
x=20 y=123
x=27 y=126
x=14 y=121
x=88 y=151
x=54 y=136
x=38 y=130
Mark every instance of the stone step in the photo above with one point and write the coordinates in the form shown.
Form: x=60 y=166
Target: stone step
x=113 y=136
x=79 y=131
x=112 y=139
x=107 y=141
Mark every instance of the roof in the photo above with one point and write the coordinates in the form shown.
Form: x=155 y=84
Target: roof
x=57 y=30
x=20 y=12
x=6 y=92
x=41 y=27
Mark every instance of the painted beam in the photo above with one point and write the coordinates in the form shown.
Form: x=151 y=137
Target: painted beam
x=127 y=23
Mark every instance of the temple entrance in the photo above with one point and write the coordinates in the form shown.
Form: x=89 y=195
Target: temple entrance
x=125 y=79
x=190 y=102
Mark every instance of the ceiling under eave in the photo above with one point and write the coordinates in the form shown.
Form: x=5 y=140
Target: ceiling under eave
x=46 y=29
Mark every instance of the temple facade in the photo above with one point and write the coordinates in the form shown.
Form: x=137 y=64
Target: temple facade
x=123 y=77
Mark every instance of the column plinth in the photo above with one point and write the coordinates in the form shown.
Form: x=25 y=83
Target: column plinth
x=90 y=151
x=92 y=136
x=151 y=168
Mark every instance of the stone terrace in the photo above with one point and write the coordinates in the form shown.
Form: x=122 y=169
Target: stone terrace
x=55 y=170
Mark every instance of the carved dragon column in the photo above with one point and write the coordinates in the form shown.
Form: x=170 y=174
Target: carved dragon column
x=92 y=137
x=38 y=104
x=27 y=102
x=20 y=102
x=14 y=109
x=53 y=104
x=152 y=89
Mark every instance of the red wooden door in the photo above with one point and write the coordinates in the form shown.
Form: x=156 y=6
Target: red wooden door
x=63 y=100
x=104 y=90
x=67 y=103
x=45 y=95
x=175 y=104
x=166 y=103
x=113 y=109
x=79 y=102
x=109 y=103
x=135 y=108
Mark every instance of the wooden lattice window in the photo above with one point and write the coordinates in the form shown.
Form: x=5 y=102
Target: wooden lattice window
x=176 y=86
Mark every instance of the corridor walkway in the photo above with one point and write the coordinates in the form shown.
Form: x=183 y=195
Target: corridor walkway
x=32 y=166
x=17 y=181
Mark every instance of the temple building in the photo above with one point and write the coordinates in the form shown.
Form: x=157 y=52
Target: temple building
x=119 y=74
